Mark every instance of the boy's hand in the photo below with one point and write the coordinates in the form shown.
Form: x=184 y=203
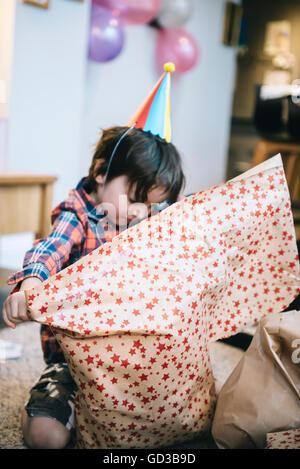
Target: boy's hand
x=15 y=309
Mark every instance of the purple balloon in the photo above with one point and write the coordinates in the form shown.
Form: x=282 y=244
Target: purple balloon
x=106 y=35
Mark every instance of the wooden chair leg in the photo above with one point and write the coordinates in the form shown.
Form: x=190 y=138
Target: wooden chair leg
x=295 y=180
x=296 y=193
x=290 y=171
x=260 y=153
x=296 y=189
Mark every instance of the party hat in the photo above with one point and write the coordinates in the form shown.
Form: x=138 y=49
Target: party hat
x=154 y=113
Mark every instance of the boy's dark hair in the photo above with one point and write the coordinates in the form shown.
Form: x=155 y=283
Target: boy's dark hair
x=146 y=159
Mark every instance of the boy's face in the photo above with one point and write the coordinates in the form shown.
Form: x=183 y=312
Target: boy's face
x=119 y=202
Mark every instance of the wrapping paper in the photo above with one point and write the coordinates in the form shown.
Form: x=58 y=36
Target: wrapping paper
x=284 y=440
x=262 y=394
x=135 y=316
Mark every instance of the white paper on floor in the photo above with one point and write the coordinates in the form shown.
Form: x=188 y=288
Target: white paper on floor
x=9 y=350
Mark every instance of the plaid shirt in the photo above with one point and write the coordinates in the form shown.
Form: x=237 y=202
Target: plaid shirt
x=78 y=228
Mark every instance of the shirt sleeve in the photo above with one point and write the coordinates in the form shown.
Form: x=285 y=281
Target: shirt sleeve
x=49 y=255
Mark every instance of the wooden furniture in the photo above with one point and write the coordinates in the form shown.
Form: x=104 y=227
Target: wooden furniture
x=290 y=153
x=278 y=136
x=25 y=205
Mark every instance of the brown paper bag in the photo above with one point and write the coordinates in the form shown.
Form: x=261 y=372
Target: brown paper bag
x=262 y=395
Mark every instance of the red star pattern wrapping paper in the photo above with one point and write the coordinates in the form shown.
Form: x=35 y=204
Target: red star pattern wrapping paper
x=135 y=316
x=284 y=440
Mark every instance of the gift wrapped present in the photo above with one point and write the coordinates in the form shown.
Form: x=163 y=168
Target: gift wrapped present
x=135 y=316
x=284 y=440
x=262 y=394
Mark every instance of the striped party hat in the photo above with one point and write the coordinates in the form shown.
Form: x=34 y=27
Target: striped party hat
x=154 y=113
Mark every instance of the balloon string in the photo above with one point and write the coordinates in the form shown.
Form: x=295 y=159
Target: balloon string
x=113 y=153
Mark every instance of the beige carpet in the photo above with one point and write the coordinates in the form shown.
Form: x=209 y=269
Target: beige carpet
x=16 y=378
x=18 y=375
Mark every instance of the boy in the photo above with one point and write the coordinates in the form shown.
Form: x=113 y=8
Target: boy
x=145 y=171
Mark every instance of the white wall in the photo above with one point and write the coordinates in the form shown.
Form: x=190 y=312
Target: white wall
x=7 y=17
x=48 y=79
x=201 y=100
x=60 y=101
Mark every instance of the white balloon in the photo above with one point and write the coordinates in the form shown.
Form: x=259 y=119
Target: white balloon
x=173 y=13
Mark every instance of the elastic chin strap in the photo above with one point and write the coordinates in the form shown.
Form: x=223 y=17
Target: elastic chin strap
x=112 y=155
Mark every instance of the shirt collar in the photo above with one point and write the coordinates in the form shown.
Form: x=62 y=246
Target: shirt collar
x=91 y=208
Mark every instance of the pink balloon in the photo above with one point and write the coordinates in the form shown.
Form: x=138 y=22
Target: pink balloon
x=133 y=11
x=177 y=46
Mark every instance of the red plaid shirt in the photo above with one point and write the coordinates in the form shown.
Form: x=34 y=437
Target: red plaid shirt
x=78 y=228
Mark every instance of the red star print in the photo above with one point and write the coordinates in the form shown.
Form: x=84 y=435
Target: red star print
x=115 y=358
x=168 y=277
